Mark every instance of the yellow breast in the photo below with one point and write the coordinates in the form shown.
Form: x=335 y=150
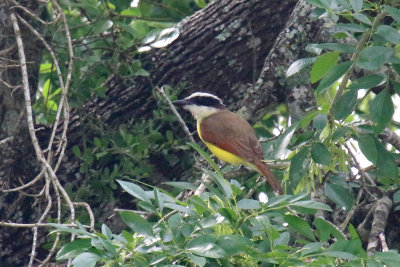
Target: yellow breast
x=222 y=154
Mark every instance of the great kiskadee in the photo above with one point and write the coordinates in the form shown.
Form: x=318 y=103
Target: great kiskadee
x=226 y=134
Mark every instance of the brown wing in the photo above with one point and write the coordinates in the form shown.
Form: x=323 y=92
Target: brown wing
x=232 y=133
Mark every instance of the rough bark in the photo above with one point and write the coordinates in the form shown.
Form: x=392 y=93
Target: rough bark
x=222 y=49
x=16 y=147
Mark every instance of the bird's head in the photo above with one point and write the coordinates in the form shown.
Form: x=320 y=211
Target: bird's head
x=201 y=105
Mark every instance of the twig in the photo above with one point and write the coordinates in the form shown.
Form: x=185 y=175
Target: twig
x=37 y=178
x=89 y=211
x=205 y=178
x=176 y=113
x=364 y=38
x=32 y=225
x=35 y=229
x=6 y=140
x=27 y=11
x=391 y=137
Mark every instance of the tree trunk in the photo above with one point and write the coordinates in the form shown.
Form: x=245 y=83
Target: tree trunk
x=221 y=49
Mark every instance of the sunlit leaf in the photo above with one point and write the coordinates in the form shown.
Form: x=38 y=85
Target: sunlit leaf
x=323 y=64
x=299 y=65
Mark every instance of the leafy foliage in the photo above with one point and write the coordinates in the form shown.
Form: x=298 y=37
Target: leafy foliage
x=220 y=227
x=355 y=84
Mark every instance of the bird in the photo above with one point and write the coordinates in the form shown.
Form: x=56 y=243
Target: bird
x=227 y=135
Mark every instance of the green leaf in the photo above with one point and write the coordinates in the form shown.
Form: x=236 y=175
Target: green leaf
x=78 y=231
x=320 y=154
x=339 y=254
x=134 y=190
x=340 y=132
x=205 y=246
x=350 y=27
x=390 y=258
x=206 y=156
x=136 y=223
x=381 y=108
x=175 y=220
x=374 y=57
x=157 y=259
x=367 y=144
x=200 y=261
x=221 y=182
x=353 y=247
x=109 y=247
x=334 y=46
x=248 y=204
x=356 y=5
x=133 y=11
x=388 y=33
x=339 y=195
x=280 y=146
x=233 y=244
x=300 y=226
x=386 y=163
x=311 y=204
x=320 y=121
x=159 y=199
x=179 y=208
x=73 y=249
x=51 y=105
x=393 y=12
x=299 y=166
x=47 y=67
x=182 y=185
x=333 y=74
x=345 y=105
x=46 y=88
x=77 y=151
x=299 y=65
x=367 y=82
x=86 y=259
x=363 y=18
x=323 y=64
x=106 y=231
x=325 y=229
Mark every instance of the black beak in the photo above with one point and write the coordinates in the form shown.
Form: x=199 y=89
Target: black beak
x=181 y=102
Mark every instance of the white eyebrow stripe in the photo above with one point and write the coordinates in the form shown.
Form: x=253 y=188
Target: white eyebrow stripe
x=200 y=94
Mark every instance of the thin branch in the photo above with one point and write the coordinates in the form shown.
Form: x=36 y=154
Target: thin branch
x=176 y=113
x=32 y=225
x=6 y=140
x=25 y=82
x=35 y=230
x=391 y=137
x=89 y=210
x=364 y=38
x=27 y=11
x=37 y=178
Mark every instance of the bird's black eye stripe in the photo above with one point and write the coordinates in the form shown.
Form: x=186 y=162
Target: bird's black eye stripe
x=206 y=101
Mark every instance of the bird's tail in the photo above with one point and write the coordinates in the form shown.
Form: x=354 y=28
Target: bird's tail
x=264 y=169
